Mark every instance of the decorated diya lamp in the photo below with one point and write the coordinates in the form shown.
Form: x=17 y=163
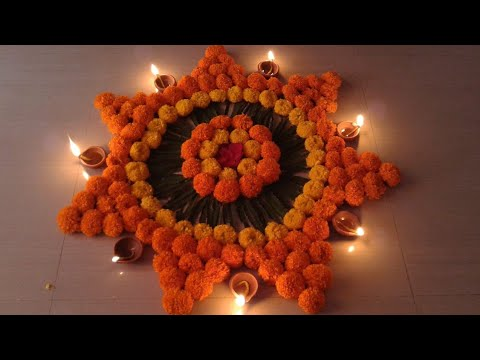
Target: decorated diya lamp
x=93 y=157
x=127 y=250
x=243 y=286
x=268 y=68
x=348 y=130
x=346 y=223
x=162 y=81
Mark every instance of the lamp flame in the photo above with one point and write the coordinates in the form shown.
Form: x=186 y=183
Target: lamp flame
x=115 y=259
x=240 y=300
x=74 y=147
x=154 y=70
x=351 y=248
x=85 y=175
x=270 y=56
x=359 y=120
x=360 y=231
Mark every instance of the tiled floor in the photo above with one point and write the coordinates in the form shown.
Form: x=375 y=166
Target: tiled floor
x=421 y=253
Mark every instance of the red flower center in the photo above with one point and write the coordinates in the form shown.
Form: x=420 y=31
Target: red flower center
x=229 y=155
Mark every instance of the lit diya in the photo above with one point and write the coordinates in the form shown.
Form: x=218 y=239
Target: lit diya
x=347 y=224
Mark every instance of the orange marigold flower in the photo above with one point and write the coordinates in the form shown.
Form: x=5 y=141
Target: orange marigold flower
x=217 y=69
x=239 y=80
x=314 y=81
x=290 y=285
x=322 y=102
x=223 y=82
x=116 y=123
x=390 y=174
x=303 y=102
x=270 y=270
x=297 y=261
x=199 y=284
x=107 y=112
x=132 y=217
x=316 y=228
x=297 y=241
x=370 y=161
x=374 y=186
x=118 y=188
x=68 y=220
x=226 y=59
x=242 y=121
x=332 y=78
x=184 y=244
x=275 y=85
x=203 y=132
x=257 y=82
x=171 y=278
x=198 y=71
x=215 y=51
x=270 y=150
x=217 y=270
x=204 y=184
x=251 y=185
x=220 y=122
x=191 y=167
x=84 y=201
x=133 y=131
x=333 y=159
x=103 y=99
x=260 y=133
x=300 y=83
x=208 y=248
x=349 y=156
x=97 y=185
x=276 y=250
x=190 y=149
x=313 y=94
x=115 y=173
x=269 y=170
x=173 y=94
x=254 y=255
x=112 y=225
x=321 y=252
x=142 y=114
x=326 y=129
x=207 y=82
x=145 y=230
x=92 y=222
x=162 y=239
x=329 y=92
x=324 y=209
x=355 y=192
x=311 y=300
x=334 y=194
x=125 y=201
x=139 y=99
x=177 y=302
x=338 y=176
x=190 y=263
x=127 y=108
x=119 y=146
x=356 y=171
x=227 y=191
x=106 y=204
x=155 y=101
x=235 y=69
x=189 y=86
x=205 y=63
x=115 y=160
x=232 y=255
x=335 y=143
x=318 y=276
x=290 y=93
x=119 y=101
x=331 y=107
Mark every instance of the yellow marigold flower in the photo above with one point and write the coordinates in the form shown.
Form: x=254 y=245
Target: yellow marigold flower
x=152 y=138
x=137 y=171
x=157 y=125
x=297 y=116
x=315 y=157
x=318 y=172
x=247 y=166
x=239 y=136
x=151 y=204
x=304 y=203
x=218 y=95
x=224 y=233
x=313 y=189
x=211 y=167
x=306 y=129
x=252 y=149
x=251 y=95
x=249 y=236
x=166 y=218
x=208 y=149
x=275 y=231
x=221 y=136
x=168 y=114
x=184 y=227
x=184 y=107
x=200 y=99
x=227 y=174
x=314 y=142
x=283 y=107
x=267 y=99
x=202 y=230
x=139 y=151
x=294 y=219
x=141 y=189
x=235 y=94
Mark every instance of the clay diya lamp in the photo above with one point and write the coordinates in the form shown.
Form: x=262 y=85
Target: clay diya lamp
x=93 y=157
x=127 y=250
x=244 y=286
x=346 y=223
x=163 y=81
x=268 y=68
x=348 y=130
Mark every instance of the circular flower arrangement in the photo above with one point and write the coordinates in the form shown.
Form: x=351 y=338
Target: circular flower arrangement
x=226 y=170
